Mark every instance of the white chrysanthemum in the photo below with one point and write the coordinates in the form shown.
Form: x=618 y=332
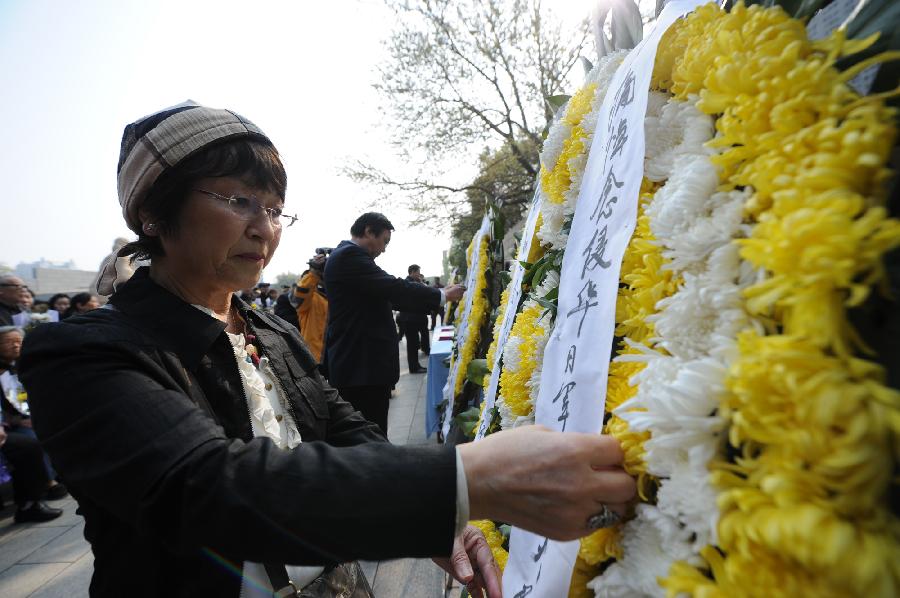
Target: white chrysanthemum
x=534 y=382
x=703 y=228
x=576 y=167
x=508 y=420
x=679 y=129
x=651 y=542
x=554 y=215
x=556 y=137
x=688 y=217
x=511 y=353
x=655 y=102
x=550 y=232
x=506 y=416
x=689 y=498
x=675 y=401
x=698 y=317
x=602 y=75
x=550 y=282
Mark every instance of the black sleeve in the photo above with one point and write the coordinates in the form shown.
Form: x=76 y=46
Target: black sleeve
x=286 y=311
x=127 y=440
x=359 y=273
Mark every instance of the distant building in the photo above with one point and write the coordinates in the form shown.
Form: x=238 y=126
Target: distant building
x=46 y=278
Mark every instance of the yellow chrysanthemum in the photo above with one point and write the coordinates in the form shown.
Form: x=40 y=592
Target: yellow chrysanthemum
x=492 y=352
x=557 y=178
x=477 y=314
x=826 y=424
x=601 y=545
x=582 y=573
x=804 y=506
x=526 y=330
x=501 y=313
x=535 y=250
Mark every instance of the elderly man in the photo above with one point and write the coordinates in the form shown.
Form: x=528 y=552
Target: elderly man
x=13 y=293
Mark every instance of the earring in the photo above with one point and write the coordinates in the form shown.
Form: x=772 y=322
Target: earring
x=149 y=228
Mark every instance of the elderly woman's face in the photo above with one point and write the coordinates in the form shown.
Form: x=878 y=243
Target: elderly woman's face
x=214 y=245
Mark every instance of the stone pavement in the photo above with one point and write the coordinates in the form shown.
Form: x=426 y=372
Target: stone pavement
x=52 y=559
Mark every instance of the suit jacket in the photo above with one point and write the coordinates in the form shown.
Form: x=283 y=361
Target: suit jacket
x=142 y=411
x=361 y=341
x=414 y=318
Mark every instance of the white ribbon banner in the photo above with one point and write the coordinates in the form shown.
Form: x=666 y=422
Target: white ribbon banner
x=576 y=361
x=463 y=327
x=509 y=314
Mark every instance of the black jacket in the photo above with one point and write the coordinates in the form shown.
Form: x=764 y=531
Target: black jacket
x=415 y=318
x=361 y=340
x=7 y=313
x=286 y=311
x=142 y=411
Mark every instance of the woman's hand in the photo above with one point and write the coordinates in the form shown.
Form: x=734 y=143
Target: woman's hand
x=468 y=548
x=546 y=482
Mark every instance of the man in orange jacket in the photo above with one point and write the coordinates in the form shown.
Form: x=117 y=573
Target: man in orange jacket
x=312 y=306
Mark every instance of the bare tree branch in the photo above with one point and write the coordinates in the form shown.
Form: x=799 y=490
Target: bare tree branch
x=466 y=74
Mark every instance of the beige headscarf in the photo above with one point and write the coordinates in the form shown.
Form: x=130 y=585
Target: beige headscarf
x=155 y=143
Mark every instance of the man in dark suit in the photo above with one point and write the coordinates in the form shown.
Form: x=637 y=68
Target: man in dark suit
x=413 y=325
x=361 y=340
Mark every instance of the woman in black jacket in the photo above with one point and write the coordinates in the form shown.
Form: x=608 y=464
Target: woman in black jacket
x=204 y=449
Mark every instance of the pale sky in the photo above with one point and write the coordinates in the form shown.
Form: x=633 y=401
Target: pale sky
x=75 y=73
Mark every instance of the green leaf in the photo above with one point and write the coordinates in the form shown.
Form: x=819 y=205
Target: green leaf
x=467 y=420
x=874 y=17
x=556 y=102
x=551 y=305
x=807 y=8
x=476 y=371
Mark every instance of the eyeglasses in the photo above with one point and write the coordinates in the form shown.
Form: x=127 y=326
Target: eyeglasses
x=248 y=208
x=21 y=287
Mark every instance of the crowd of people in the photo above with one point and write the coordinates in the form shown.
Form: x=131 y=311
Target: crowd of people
x=231 y=437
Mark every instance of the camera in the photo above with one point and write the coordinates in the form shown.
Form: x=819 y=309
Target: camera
x=323 y=251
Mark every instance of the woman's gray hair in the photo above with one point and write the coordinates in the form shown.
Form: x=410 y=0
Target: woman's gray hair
x=4 y=330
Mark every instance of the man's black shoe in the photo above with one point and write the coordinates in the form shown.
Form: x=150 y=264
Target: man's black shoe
x=418 y=370
x=36 y=513
x=56 y=492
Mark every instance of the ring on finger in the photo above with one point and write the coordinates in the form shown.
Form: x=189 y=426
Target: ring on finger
x=605 y=518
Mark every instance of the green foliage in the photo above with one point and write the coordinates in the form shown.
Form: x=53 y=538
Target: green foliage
x=467 y=420
x=477 y=370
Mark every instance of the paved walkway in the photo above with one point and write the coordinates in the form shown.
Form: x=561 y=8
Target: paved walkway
x=52 y=559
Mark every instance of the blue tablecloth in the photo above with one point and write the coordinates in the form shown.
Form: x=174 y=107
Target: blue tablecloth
x=437 y=377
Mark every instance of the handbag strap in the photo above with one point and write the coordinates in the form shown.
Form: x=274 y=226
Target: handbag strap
x=282 y=586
